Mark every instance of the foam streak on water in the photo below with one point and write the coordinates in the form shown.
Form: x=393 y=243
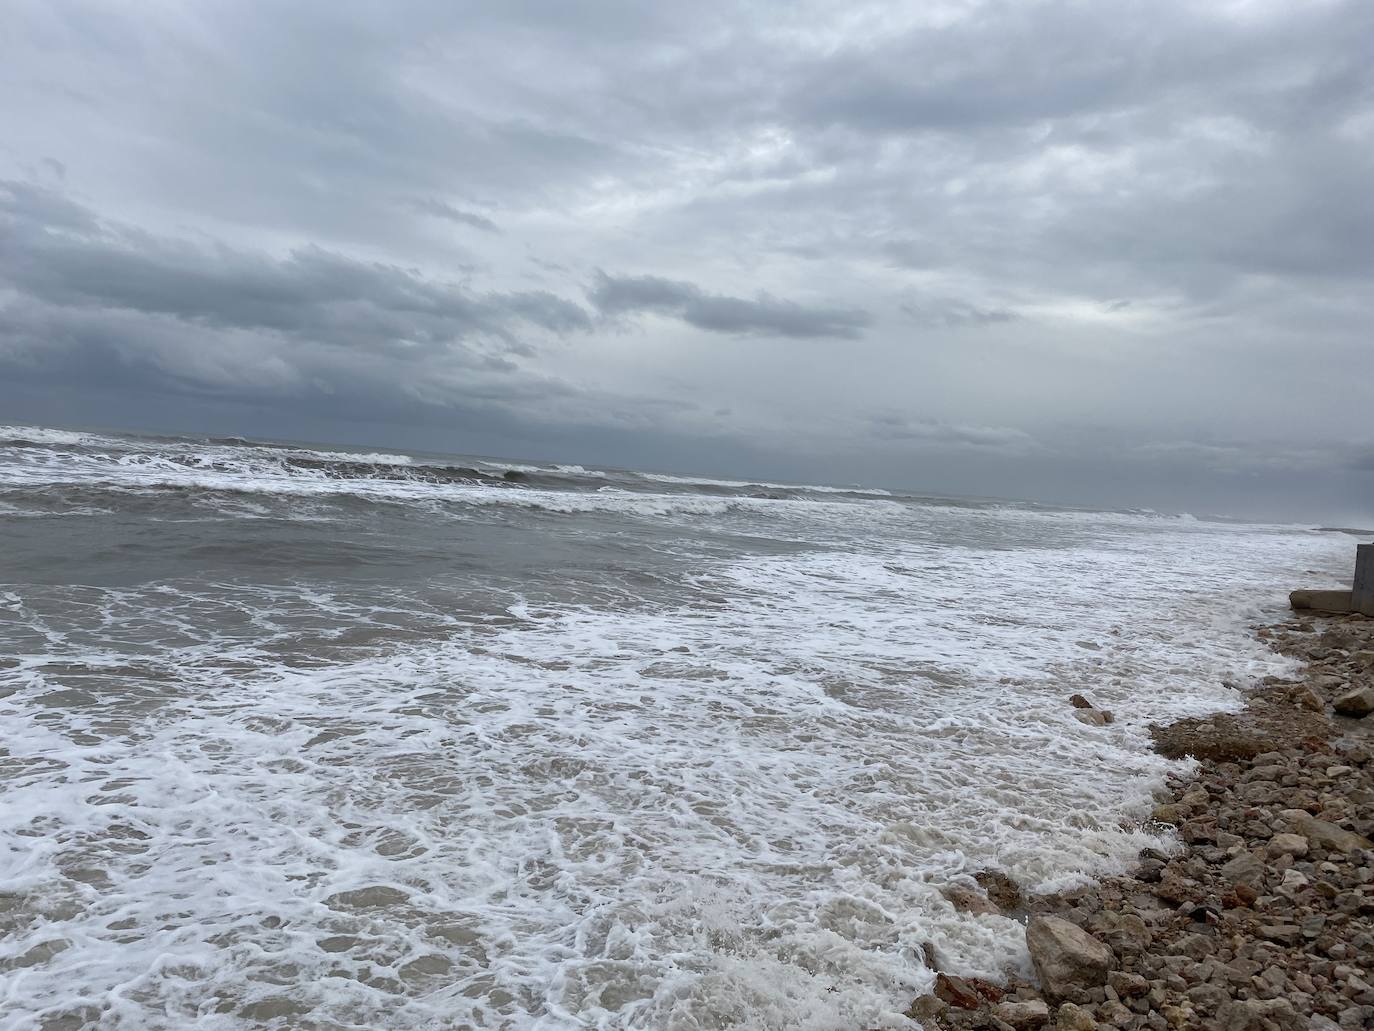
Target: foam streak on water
x=308 y=745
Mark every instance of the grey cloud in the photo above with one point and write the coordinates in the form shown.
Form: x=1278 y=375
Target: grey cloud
x=59 y=253
x=1072 y=68
x=439 y=209
x=950 y=312
x=1095 y=150
x=97 y=302
x=143 y=364
x=1249 y=457
x=717 y=313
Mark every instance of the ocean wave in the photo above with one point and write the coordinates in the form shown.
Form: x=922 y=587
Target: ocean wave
x=149 y=469
x=544 y=470
x=10 y=435
x=695 y=481
x=363 y=458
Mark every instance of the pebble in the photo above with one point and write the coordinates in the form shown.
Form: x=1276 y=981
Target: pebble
x=1286 y=845
x=1258 y=924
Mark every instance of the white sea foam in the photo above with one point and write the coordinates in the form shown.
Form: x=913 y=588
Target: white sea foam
x=706 y=482
x=235 y=468
x=43 y=435
x=524 y=467
x=733 y=811
x=11 y=511
x=366 y=458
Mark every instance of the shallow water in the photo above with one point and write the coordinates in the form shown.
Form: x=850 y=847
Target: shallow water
x=316 y=739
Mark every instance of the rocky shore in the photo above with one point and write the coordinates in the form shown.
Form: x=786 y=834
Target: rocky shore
x=1262 y=919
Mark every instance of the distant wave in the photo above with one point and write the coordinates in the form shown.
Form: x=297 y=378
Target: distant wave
x=744 y=484
x=544 y=470
x=41 y=435
x=372 y=458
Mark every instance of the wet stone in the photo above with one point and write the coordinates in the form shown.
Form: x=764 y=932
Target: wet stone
x=1070 y=1017
x=1261 y=915
x=1023 y=1016
x=956 y=992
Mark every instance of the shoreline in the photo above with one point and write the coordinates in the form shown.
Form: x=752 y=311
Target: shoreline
x=1262 y=919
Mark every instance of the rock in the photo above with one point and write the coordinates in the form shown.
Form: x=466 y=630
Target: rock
x=1194 y=946
x=1307 y=699
x=956 y=992
x=1093 y=717
x=1209 y=998
x=1127 y=985
x=374 y=897
x=1149 y=871
x=1292 y=884
x=1196 y=832
x=1222 y=738
x=1260 y=1015
x=1176 y=888
x=968 y=900
x=1074 y=1018
x=1324 y=835
x=1115 y=1014
x=1357 y=702
x=926 y=1008
x=1286 y=845
x=1177 y=1016
x=1126 y=934
x=929 y=956
x=1169 y=813
x=1004 y=892
x=1079 y=702
x=1023 y=1016
x=1195 y=797
x=1283 y=934
x=989 y=991
x=1066 y=958
x=1243 y=869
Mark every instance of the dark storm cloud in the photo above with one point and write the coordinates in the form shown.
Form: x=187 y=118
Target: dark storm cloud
x=59 y=253
x=717 y=313
x=94 y=301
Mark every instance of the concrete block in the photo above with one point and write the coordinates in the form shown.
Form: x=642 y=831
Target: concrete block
x=1321 y=601
x=1362 y=597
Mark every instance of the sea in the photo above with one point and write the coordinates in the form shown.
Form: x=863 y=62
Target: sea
x=296 y=736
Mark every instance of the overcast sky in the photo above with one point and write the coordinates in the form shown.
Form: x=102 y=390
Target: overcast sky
x=1114 y=252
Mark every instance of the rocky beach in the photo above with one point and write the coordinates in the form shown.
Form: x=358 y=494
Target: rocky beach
x=1262 y=918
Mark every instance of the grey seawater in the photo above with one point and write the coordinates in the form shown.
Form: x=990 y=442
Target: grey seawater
x=307 y=737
